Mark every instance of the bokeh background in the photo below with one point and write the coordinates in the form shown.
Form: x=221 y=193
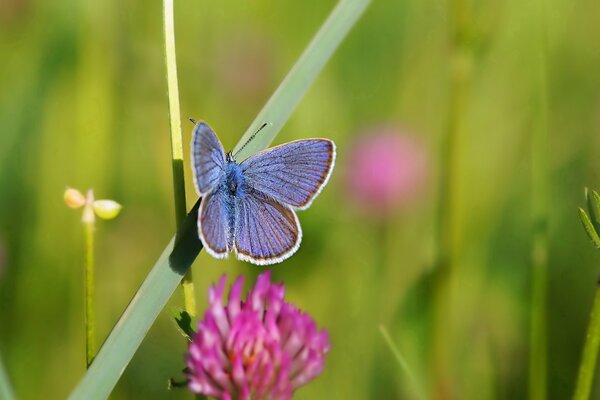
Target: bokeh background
x=83 y=103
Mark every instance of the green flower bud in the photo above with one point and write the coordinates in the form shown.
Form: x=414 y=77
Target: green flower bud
x=107 y=209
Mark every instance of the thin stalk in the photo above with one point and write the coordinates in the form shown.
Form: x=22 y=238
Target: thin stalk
x=589 y=358
x=539 y=250
x=449 y=218
x=90 y=317
x=88 y=220
x=187 y=283
x=401 y=362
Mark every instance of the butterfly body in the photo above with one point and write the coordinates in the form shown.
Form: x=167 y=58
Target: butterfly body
x=248 y=207
x=233 y=179
x=232 y=190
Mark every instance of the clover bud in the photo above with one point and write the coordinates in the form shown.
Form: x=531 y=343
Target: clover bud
x=107 y=209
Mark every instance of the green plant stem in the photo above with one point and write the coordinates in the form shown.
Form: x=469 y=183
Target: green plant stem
x=187 y=282
x=449 y=217
x=401 y=362
x=6 y=391
x=90 y=318
x=153 y=294
x=587 y=367
x=539 y=250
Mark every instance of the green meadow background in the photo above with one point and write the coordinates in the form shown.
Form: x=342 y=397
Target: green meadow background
x=83 y=103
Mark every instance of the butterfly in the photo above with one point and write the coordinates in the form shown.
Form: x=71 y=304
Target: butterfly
x=249 y=207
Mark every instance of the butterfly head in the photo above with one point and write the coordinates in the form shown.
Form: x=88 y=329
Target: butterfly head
x=229 y=157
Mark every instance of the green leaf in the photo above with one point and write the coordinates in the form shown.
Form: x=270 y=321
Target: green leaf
x=126 y=336
x=593 y=204
x=184 y=322
x=173 y=384
x=589 y=228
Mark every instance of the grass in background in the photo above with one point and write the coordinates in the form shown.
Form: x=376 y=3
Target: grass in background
x=393 y=68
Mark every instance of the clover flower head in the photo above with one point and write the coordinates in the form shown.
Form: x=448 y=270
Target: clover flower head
x=258 y=348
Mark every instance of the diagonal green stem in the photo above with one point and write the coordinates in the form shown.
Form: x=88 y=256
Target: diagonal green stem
x=151 y=297
x=589 y=358
x=6 y=391
x=401 y=362
x=187 y=282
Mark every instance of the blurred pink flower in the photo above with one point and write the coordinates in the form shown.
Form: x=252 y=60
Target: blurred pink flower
x=386 y=169
x=13 y=12
x=257 y=348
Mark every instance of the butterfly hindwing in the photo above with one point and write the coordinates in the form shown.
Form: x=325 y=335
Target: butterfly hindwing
x=293 y=173
x=208 y=158
x=213 y=224
x=266 y=231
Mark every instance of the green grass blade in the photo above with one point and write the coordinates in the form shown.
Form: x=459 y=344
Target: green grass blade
x=6 y=392
x=177 y=257
x=281 y=104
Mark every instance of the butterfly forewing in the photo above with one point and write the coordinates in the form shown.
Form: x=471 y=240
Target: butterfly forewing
x=293 y=173
x=266 y=231
x=208 y=158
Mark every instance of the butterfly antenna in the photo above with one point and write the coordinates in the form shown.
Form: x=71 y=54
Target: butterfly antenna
x=192 y=120
x=250 y=138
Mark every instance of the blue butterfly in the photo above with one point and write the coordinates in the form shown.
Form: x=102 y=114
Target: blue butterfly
x=249 y=207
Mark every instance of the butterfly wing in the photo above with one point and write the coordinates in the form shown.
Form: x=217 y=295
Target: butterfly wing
x=267 y=231
x=293 y=173
x=208 y=158
x=213 y=223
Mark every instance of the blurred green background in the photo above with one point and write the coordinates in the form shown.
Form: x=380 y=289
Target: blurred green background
x=83 y=103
